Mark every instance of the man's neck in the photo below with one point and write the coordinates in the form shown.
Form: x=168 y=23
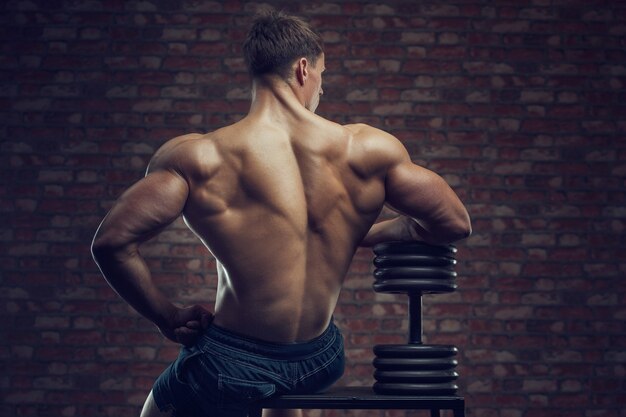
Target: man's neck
x=277 y=99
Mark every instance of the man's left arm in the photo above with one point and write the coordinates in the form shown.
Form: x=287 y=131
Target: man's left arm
x=139 y=214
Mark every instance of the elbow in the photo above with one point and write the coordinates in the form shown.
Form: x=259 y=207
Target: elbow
x=465 y=230
x=105 y=247
x=462 y=229
x=100 y=248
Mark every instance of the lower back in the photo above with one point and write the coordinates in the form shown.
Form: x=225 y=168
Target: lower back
x=287 y=316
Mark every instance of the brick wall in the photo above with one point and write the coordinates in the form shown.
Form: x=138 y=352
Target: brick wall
x=519 y=104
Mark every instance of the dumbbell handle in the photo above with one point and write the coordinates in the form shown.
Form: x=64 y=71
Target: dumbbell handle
x=415 y=318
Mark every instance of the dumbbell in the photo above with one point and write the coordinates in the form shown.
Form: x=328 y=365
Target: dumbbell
x=415 y=268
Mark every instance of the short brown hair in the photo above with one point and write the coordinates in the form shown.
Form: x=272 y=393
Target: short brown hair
x=276 y=40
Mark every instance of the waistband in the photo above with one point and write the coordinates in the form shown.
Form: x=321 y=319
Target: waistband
x=284 y=351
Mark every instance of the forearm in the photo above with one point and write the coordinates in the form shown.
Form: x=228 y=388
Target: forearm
x=437 y=236
x=127 y=273
x=405 y=228
x=397 y=229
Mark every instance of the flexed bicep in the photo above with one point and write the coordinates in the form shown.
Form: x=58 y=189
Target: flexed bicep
x=144 y=209
x=428 y=199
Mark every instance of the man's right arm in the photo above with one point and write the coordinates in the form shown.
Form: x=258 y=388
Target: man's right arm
x=139 y=214
x=432 y=211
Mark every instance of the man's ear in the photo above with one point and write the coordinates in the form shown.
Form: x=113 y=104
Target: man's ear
x=302 y=70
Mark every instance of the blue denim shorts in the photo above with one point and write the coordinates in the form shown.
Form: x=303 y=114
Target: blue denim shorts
x=224 y=373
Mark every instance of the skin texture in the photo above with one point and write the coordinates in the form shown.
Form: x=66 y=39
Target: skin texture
x=282 y=199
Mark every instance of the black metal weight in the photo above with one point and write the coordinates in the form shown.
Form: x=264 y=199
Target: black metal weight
x=411 y=364
x=415 y=269
x=401 y=388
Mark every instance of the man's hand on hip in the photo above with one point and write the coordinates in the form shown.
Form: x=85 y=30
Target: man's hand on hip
x=187 y=324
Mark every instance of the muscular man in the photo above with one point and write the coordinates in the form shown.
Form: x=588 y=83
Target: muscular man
x=282 y=199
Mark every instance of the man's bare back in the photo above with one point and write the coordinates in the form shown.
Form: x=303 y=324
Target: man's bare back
x=283 y=209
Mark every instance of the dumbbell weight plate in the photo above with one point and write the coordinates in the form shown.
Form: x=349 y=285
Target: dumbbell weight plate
x=403 y=286
x=384 y=261
x=410 y=272
x=414 y=248
x=413 y=364
x=415 y=389
x=415 y=351
x=416 y=377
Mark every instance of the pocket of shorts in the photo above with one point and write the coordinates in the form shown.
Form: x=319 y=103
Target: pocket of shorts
x=182 y=363
x=236 y=390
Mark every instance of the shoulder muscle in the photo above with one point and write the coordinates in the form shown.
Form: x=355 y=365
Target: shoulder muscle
x=374 y=150
x=188 y=155
x=166 y=156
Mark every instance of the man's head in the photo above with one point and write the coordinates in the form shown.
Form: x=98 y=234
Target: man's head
x=276 y=40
